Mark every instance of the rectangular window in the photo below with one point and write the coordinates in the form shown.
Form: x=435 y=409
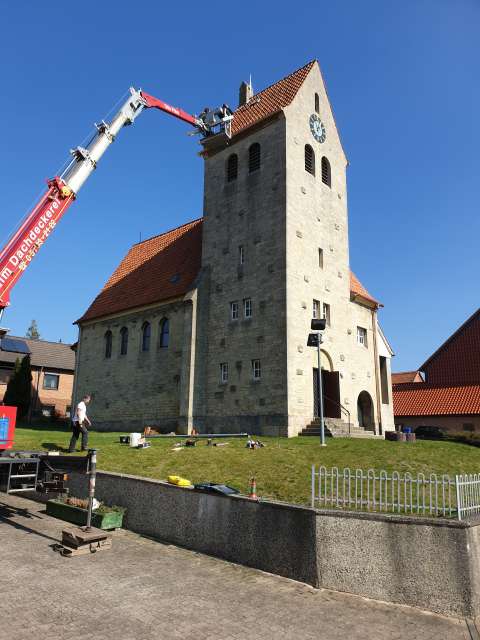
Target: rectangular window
x=234 y=310
x=47 y=411
x=5 y=375
x=326 y=313
x=320 y=258
x=247 y=307
x=256 y=370
x=316 y=309
x=224 y=372
x=362 y=336
x=468 y=426
x=241 y=254
x=51 y=380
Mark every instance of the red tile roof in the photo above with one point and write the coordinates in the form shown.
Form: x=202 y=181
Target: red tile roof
x=271 y=100
x=457 y=360
x=357 y=289
x=157 y=269
x=406 y=376
x=421 y=399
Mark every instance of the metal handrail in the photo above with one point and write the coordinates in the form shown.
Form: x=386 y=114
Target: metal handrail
x=339 y=404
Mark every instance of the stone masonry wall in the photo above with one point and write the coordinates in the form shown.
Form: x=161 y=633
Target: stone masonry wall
x=248 y=212
x=140 y=388
x=317 y=219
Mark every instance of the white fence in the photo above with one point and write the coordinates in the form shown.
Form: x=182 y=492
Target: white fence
x=393 y=492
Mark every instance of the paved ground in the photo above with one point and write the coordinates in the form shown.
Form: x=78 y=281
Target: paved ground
x=142 y=589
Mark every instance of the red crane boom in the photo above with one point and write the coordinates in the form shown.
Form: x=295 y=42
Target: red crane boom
x=62 y=190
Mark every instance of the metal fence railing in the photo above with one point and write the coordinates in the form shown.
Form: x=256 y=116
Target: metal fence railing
x=393 y=492
x=468 y=495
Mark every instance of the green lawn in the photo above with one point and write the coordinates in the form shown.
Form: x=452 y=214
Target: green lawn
x=282 y=468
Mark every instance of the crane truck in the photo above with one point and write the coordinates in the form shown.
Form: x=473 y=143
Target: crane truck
x=27 y=470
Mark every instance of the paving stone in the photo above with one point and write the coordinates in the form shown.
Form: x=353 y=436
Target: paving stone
x=143 y=589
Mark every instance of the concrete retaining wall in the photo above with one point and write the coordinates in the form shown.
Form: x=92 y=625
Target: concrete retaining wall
x=268 y=536
x=432 y=564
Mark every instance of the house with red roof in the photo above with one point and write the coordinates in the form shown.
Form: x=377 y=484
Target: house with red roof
x=205 y=326
x=449 y=396
x=406 y=376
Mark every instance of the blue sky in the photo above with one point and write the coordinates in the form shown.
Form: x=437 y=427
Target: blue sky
x=403 y=81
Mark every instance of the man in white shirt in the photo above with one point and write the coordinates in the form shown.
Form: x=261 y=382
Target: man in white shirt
x=79 y=424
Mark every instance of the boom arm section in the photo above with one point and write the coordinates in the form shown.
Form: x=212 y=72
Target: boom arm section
x=62 y=190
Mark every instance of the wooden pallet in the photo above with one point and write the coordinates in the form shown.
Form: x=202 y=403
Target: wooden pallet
x=78 y=541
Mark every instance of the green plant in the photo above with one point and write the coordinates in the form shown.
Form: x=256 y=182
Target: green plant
x=32 y=331
x=19 y=388
x=82 y=503
x=103 y=508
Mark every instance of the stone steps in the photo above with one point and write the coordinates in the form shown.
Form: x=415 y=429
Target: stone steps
x=337 y=428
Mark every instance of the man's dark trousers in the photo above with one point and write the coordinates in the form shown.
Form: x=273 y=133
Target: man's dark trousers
x=79 y=428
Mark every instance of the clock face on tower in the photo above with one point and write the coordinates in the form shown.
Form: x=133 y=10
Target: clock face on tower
x=317 y=128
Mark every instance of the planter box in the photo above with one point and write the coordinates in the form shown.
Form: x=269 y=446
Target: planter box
x=77 y=515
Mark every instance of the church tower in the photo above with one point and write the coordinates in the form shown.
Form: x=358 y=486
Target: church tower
x=275 y=254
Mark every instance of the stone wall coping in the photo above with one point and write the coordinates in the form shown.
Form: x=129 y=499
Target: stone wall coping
x=271 y=503
x=402 y=519
x=329 y=513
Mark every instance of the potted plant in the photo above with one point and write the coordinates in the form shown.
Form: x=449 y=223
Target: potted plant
x=74 y=510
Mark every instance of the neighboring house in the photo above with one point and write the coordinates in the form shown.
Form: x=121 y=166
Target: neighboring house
x=450 y=396
x=406 y=376
x=53 y=367
x=206 y=325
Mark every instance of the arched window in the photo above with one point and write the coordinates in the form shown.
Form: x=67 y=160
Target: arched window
x=146 y=333
x=254 y=157
x=326 y=172
x=232 y=167
x=164 y=333
x=108 y=344
x=309 y=159
x=317 y=103
x=123 y=341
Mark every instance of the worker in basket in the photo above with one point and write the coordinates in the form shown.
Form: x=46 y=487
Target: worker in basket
x=79 y=424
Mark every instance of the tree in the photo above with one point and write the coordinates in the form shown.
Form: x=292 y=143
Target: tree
x=19 y=388
x=32 y=331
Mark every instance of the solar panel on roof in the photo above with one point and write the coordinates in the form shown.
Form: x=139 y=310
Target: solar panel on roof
x=13 y=345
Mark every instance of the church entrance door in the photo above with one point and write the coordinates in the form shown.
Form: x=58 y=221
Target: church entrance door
x=331 y=394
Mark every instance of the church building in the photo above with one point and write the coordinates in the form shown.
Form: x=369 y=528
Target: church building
x=206 y=326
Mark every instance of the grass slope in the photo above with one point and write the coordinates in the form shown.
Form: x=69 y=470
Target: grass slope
x=282 y=468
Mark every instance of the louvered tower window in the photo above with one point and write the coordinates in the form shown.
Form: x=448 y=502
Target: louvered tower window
x=317 y=103
x=254 y=157
x=309 y=159
x=232 y=167
x=326 y=172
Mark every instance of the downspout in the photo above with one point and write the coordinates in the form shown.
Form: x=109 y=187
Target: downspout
x=377 y=384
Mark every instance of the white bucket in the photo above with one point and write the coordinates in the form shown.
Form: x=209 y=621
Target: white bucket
x=135 y=439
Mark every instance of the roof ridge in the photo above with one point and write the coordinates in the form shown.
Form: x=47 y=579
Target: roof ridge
x=289 y=75
x=450 y=338
x=164 y=233
x=397 y=373
x=65 y=344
